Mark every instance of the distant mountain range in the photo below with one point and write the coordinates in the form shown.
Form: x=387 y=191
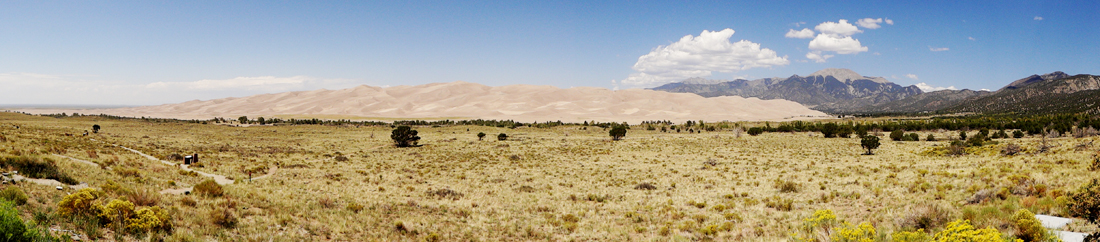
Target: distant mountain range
x=828 y=90
x=1051 y=93
x=842 y=91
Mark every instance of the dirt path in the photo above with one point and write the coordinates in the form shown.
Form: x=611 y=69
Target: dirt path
x=81 y=161
x=52 y=182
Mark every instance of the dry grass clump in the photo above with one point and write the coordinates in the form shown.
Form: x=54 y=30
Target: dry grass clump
x=223 y=217
x=208 y=188
x=925 y=216
x=14 y=195
x=645 y=186
x=445 y=193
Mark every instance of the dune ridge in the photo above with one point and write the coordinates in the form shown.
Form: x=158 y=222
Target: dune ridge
x=464 y=100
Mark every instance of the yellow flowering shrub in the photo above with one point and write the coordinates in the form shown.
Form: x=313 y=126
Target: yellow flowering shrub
x=963 y=231
x=865 y=232
x=116 y=210
x=911 y=236
x=148 y=219
x=80 y=203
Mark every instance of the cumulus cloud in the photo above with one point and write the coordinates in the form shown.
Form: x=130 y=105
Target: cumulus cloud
x=840 y=45
x=26 y=88
x=929 y=88
x=871 y=23
x=937 y=49
x=838 y=29
x=816 y=56
x=699 y=56
x=1037 y=18
x=912 y=76
x=837 y=37
x=800 y=34
x=971 y=38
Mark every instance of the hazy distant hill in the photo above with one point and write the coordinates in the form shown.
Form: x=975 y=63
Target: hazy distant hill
x=829 y=90
x=1051 y=93
x=464 y=100
x=925 y=102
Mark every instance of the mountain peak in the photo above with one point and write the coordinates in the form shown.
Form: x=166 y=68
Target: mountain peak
x=846 y=75
x=1036 y=78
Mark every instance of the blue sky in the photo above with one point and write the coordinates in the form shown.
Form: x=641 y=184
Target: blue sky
x=146 y=52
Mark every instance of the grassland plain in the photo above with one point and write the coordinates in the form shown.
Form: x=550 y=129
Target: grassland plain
x=348 y=183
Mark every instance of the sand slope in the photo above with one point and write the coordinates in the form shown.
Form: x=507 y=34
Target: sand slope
x=464 y=100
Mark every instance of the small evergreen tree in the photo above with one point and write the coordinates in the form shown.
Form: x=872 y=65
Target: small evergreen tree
x=829 y=130
x=930 y=137
x=502 y=137
x=403 y=136
x=95 y=129
x=1017 y=134
x=480 y=135
x=617 y=133
x=869 y=142
x=243 y=119
x=962 y=135
x=914 y=137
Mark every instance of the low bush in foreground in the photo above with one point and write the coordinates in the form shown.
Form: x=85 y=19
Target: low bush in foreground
x=208 y=188
x=36 y=167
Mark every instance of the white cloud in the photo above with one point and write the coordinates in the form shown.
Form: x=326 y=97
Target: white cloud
x=971 y=38
x=912 y=76
x=890 y=21
x=845 y=45
x=838 y=29
x=26 y=88
x=929 y=88
x=699 y=56
x=937 y=49
x=1037 y=18
x=800 y=34
x=870 y=23
x=817 y=57
x=983 y=89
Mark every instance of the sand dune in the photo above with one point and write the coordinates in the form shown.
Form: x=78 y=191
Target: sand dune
x=464 y=100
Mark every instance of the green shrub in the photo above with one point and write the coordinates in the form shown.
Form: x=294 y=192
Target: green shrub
x=1017 y=134
x=502 y=137
x=897 y=135
x=480 y=135
x=14 y=194
x=1085 y=202
x=208 y=188
x=913 y=137
x=1095 y=165
x=754 y=131
x=36 y=167
x=12 y=227
x=930 y=137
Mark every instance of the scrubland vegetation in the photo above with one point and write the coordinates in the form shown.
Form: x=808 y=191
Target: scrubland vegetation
x=560 y=182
